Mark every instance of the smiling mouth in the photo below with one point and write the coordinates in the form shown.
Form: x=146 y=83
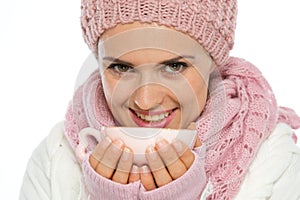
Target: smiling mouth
x=153 y=117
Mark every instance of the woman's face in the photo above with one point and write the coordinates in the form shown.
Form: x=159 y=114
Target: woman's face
x=153 y=76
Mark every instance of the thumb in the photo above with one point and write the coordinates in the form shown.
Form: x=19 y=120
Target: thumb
x=192 y=126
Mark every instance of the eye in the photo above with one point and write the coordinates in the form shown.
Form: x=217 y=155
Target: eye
x=120 y=68
x=175 y=67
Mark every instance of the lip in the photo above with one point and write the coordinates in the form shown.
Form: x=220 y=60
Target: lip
x=157 y=124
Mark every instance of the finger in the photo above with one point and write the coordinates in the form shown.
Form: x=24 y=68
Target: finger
x=169 y=156
x=147 y=178
x=108 y=163
x=198 y=143
x=134 y=174
x=121 y=175
x=159 y=172
x=184 y=153
x=192 y=126
x=99 y=151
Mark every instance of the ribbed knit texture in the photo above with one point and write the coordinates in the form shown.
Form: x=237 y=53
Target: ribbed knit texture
x=239 y=115
x=211 y=23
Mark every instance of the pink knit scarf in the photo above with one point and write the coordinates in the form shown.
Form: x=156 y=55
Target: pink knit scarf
x=239 y=115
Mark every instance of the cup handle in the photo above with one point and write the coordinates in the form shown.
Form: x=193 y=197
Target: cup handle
x=86 y=133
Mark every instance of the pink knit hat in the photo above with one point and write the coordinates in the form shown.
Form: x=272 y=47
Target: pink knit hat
x=210 y=22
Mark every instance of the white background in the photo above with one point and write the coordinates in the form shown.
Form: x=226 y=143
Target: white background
x=42 y=50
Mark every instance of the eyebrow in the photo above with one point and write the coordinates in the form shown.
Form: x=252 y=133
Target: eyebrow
x=117 y=60
x=176 y=59
x=163 y=62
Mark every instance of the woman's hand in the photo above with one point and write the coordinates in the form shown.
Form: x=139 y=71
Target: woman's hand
x=113 y=160
x=166 y=162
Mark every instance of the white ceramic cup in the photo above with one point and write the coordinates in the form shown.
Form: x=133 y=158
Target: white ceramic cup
x=138 y=138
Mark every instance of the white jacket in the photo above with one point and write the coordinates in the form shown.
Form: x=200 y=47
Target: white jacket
x=54 y=173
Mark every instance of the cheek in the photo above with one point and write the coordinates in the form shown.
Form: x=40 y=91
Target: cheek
x=200 y=89
x=116 y=91
x=202 y=97
x=109 y=86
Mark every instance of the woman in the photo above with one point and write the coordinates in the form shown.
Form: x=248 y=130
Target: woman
x=166 y=64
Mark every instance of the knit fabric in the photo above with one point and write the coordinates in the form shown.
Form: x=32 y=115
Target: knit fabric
x=233 y=133
x=239 y=115
x=211 y=23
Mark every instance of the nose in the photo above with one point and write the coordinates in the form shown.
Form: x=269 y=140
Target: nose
x=149 y=97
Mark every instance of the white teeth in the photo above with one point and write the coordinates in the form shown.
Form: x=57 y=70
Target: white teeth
x=148 y=118
x=153 y=118
x=162 y=116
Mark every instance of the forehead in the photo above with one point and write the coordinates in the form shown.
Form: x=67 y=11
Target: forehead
x=119 y=28
x=123 y=39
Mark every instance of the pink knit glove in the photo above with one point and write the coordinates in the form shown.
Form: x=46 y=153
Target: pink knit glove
x=100 y=187
x=187 y=187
